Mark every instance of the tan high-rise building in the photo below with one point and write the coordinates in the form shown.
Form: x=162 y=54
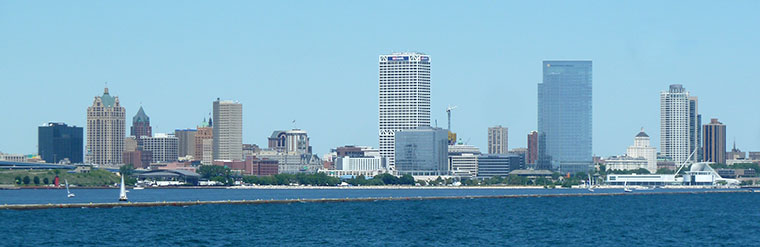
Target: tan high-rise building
x=497 y=140
x=204 y=142
x=105 y=130
x=228 y=130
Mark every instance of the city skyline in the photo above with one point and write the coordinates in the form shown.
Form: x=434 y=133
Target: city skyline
x=498 y=75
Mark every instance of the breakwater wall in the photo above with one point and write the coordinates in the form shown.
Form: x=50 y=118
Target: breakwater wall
x=333 y=200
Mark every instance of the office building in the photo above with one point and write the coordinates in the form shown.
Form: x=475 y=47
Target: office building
x=105 y=130
x=463 y=160
x=404 y=97
x=498 y=140
x=680 y=133
x=59 y=142
x=140 y=125
x=642 y=149
x=293 y=141
x=564 y=116
x=493 y=165
x=186 y=138
x=163 y=147
x=347 y=163
x=714 y=149
x=422 y=151
x=227 y=130
x=626 y=163
x=204 y=142
x=532 y=155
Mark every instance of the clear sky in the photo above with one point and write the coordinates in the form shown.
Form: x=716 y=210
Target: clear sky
x=316 y=62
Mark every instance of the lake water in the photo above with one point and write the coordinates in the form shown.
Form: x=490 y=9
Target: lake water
x=632 y=220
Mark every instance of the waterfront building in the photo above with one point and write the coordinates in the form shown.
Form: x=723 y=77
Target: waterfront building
x=626 y=163
x=13 y=157
x=227 y=130
x=347 y=163
x=293 y=141
x=58 y=142
x=752 y=155
x=680 y=133
x=498 y=140
x=422 y=151
x=463 y=160
x=565 y=116
x=186 y=138
x=163 y=147
x=204 y=135
x=532 y=155
x=105 y=130
x=642 y=149
x=141 y=125
x=492 y=165
x=138 y=158
x=404 y=97
x=714 y=149
x=736 y=154
x=292 y=163
x=250 y=166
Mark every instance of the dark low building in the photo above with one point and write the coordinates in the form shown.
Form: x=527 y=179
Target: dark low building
x=492 y=165
x=58 y=141
x=171 y=175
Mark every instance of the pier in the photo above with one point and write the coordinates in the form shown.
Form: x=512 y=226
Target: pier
x=333 y=200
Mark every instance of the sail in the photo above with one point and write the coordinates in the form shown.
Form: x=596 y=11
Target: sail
x=67 y=186
x=122 y=191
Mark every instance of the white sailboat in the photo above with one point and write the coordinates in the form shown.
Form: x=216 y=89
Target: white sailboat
x=122 y=191
x=590 y=188
x=625 y=188
x=68 y=193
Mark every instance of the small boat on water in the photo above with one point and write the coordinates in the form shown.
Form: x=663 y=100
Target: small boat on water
x=625 y=188
x=122 y=191
x=68 y=193
x=138 y=188
x=590 y=187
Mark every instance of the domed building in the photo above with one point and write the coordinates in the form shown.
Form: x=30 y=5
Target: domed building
x=642 y=149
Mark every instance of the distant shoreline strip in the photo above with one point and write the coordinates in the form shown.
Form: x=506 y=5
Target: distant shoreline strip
x=332 y=200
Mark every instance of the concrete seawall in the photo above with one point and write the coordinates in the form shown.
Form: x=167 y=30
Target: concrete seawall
x=328 y=200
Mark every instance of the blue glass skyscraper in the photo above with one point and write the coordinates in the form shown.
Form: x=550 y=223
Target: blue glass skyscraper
x=564 y=117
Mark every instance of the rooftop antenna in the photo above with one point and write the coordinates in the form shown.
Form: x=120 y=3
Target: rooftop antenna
x=436 y=123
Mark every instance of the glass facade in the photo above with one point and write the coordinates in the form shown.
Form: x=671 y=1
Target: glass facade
x=564 y=116
x=422 y=151
x=493 y=165
x=57 y=141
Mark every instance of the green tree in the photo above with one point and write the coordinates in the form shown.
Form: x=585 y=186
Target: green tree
x=127 y=170
x=18 y=180
x=36 y=180
x=407 y=179
x=210 y=171
x=45 y=181
x=27 y=180
x=664 y=171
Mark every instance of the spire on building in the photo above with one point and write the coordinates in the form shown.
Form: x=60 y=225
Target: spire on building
x=140 y=117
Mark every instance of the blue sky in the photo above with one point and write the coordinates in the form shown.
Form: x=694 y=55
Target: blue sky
x=316 y=62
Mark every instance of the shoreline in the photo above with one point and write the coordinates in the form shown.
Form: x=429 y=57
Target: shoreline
x=378 y=187
x=332 y=200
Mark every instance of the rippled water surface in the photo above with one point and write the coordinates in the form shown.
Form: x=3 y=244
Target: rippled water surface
x=630 y=220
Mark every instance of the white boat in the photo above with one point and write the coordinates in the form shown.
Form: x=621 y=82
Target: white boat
x=68 y=193
x=625 y=188
x=138 y=188
x=122 y=191
x=590 y=188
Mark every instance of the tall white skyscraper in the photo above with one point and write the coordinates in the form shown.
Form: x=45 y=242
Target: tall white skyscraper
x=228 y=130
x=404 y=97
x=679 y=124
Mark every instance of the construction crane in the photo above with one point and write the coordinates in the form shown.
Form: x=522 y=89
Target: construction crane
x=448 y=111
